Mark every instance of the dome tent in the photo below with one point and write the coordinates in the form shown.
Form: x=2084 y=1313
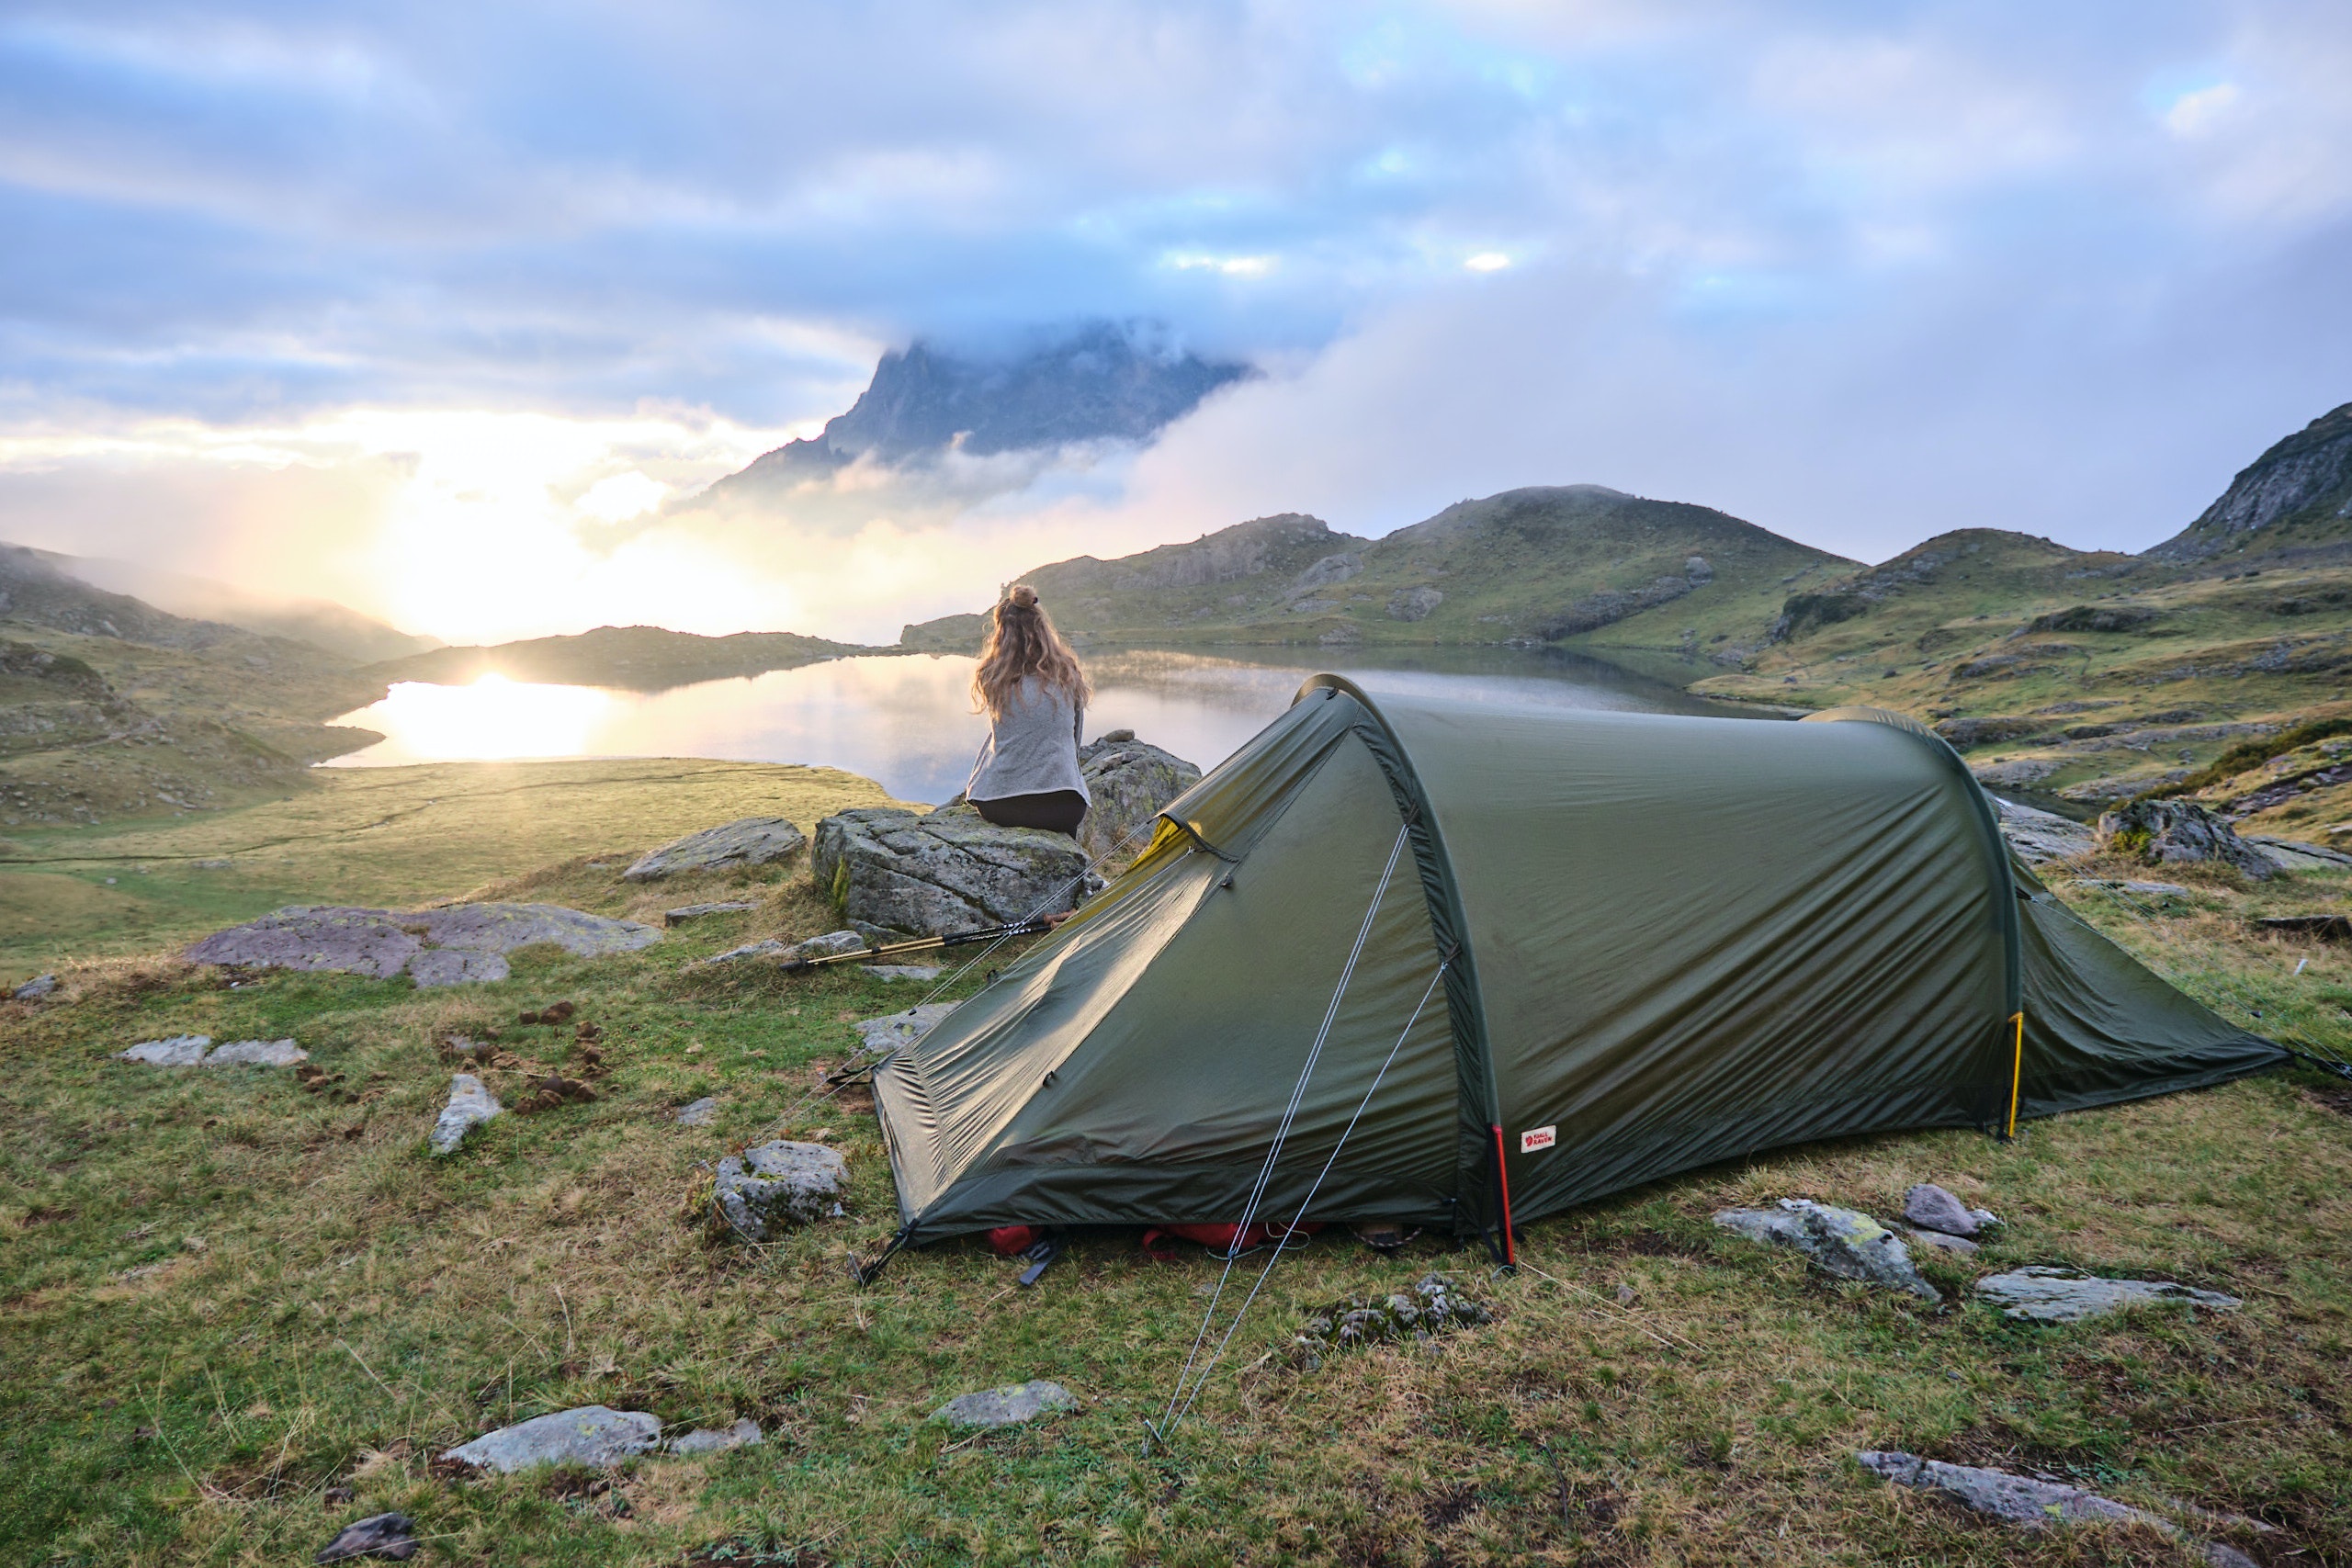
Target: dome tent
x=1654 y=941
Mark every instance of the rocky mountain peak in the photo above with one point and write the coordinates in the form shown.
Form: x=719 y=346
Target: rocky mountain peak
x=2304 y=479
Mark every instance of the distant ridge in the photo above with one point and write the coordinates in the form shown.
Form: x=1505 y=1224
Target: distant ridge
x=644 y=658
x=2298 y=492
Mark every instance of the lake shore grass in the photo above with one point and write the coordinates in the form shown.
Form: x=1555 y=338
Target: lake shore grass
x=223 y=1295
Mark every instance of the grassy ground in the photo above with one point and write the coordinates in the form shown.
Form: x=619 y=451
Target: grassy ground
x=222 y=1295
x=379 y=836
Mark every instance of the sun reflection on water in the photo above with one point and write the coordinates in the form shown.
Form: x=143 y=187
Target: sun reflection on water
x=493 y=719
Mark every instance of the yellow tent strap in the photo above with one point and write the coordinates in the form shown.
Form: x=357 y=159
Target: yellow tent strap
x=2016 y=1074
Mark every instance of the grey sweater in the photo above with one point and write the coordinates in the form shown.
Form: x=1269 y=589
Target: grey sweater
x=1033 y=748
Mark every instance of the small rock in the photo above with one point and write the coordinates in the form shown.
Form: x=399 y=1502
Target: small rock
x=2157 y=889
x=698 y=1113
x=717 y=1440
x=336 y=1497
x=2067 y=1295
x=35 y=989
x=902 y=970
x=826 y=946
x=1838 y=1241
x=2020 y=1500
x=685 y=912
x=1006 y=1406
x=591 y=1434
x=900 y=1029
x=179 y=1051
x=731 y=846
x=1932 y=1207
x=1961 y=1245
x=2177 y=832
x=778 y=1185
x=469 y=1104
x=380 y=1535
x=256 y=1053
x=767 y=947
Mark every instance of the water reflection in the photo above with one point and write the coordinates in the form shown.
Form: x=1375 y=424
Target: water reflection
x=907 y=722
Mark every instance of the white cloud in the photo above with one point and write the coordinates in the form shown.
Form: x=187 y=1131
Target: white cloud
x=2195 y=113
x=1487 y=261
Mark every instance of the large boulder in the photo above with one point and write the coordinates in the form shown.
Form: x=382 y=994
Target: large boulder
x=1836 y=1241
x=2176 y=832
x=766 y=1190
x=891 y=870
x=454 y=945
x=1130 y=782
x=591 y=1434
x=731 y=846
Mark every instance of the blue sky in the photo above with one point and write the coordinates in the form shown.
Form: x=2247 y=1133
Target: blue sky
x=310 y=296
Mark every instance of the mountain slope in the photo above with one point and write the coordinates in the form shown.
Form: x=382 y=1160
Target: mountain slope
x=2297 y=494
x=322 y=623
x=1101 y=381
x=1537 y=564
x=642 y=659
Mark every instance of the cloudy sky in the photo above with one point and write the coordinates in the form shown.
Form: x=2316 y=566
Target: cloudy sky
x=442 y=310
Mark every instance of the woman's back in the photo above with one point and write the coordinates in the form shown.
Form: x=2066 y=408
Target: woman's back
x=1029 y=684
x=1032 y=746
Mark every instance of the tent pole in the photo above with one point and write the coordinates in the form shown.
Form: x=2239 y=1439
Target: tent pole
x=2017 y=1076
x=1502 y=1180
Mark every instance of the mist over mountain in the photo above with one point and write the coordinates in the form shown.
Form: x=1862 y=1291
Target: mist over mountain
x=1100 y=381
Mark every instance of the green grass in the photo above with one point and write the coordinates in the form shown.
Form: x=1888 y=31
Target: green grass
x=222 y=1295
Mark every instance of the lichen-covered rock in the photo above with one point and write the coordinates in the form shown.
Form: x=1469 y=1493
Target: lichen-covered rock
x=950 y=871
x=1130 y=782
x=469 y=1105
x=1837 y=1241
x=744 y=1434
x=2178 y=832
x=698 y=1113
x=591 y=1434
x=769 y=1188
x=831 y=945
x=684 y=913
x=748 y=842
x=1929 y=1205
x=1431 y=1308
x=458 y=943
x=2023 y=1501
x=2067 y=1295
x=894 y=1031
x=179 y=1051
x=1006 y=1406
x=256 y=1053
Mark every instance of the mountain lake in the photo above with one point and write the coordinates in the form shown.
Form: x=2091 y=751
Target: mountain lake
x=906 y=720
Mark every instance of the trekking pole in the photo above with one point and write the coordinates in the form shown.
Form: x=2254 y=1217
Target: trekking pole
x=917 y=944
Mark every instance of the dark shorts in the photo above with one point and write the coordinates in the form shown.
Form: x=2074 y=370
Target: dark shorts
x=1056 y=811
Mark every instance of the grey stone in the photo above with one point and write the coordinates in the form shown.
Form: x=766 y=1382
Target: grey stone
x=1837 y=1241
x=35 y=989
x=1414 y=603
x=680 y=916
x=2178 y=832
x=1929 y=1205
x=1007 y=1406
x=2067 y=1295
x=902 y=970
x=379 y=1535
x=778 y=1185
x=431 y=945
x=731 y=846
x=256 y=1053
x=698 y=1113
x=179 y=1051
x=717 y=1440
x=2041 y=837
x=1946 y=1242
x=1130 y=782
x=2294 y=854
x=830 y=944
x=2023 y=1501
x=951 y=871
x=591 y=1434
x=447 y=966
x=766 y=947
x=469 y=1105
x=898 y=1029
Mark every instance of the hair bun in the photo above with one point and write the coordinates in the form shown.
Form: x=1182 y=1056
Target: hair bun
x=1020 y=596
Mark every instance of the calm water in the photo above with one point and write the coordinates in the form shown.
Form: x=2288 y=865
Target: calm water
x=907 y=722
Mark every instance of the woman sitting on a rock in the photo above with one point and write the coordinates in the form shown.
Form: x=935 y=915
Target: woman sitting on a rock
x=1029 y=685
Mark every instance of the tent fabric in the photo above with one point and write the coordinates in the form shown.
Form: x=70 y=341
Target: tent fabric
x=1660 y=941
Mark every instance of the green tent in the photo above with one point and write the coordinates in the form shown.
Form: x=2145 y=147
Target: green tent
x=1637 y=943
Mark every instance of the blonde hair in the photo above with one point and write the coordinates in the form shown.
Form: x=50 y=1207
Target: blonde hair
x=1022 y=642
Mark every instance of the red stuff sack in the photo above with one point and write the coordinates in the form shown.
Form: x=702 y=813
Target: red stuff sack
x=1012 y=1241
x=1220 y=1240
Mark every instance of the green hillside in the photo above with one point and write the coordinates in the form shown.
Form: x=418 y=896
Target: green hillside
x=643 y=659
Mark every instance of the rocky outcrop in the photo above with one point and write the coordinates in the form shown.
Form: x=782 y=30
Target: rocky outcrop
x=731 y=846
x=1963 y=733
x=2067 y=1295
x=1837 y=1241
x=766 y=1190
x=457 y=943
x=1130 y=782
x=951 y=871
x=592 y=1435
x=2307 y=478
x=2041 y=837
x=1414 y=603
x=2179 y=832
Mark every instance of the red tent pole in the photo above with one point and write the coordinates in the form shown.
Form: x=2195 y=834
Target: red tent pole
x=1502 y=1175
